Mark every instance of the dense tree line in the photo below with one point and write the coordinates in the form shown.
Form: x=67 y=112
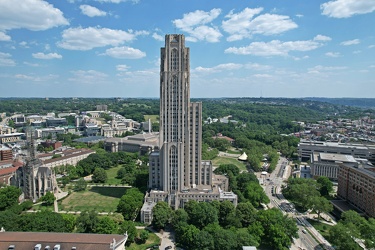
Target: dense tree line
x=351 y=228
x=221 y=225
x=309 y=194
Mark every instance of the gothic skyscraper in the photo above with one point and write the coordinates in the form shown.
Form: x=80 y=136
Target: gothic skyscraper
x=177 y=172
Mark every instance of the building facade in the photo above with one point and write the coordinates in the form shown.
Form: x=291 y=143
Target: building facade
x=306 y=148
x=356 y=184
x=325 y=164
x=177 y=172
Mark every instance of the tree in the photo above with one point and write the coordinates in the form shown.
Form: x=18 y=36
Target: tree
x=278 y=229
x=9 y=196
x=326 y=186
x=129 y=228
x=225 y=168
x=244 y=238
x=161 y=214
x=201 y=213
x=80 y=185
x=87 y=222
x=321 y=205
x=226 y=215
x=106 y=226
x=99 y=175
x=255 y=194
x=48 y=199
x=130 y=203
x=143 y=236
x=246 y=213
x=70 y=221
x=342 y=237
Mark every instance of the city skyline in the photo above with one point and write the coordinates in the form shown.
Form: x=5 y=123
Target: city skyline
x=110 y=48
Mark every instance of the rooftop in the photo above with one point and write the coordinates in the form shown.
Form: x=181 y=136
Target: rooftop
x=27 y=240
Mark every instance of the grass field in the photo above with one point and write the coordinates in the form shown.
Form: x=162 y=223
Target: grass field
x=227 y=160
x=153 y=239
x=111 y=174
x=321 y=227
x=154 y=118
x=100 y=199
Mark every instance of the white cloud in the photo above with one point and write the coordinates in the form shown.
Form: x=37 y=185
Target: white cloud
x=322 y=38
x=347 y=8
x=327 y=68
x=92 y=37
x=122 y=67
x=274 y=48
x=35 y=78
x=372 y=66
x=117 y=1
x=244 y=25
x=371 y=46
x=195 y=24
x=88 y=76
x=4 y=37
x=333 y=54
x=357 y=52
x=24 y=44
x=91 y=11
x=262 y=75
x=5 y=59
x=219 y=68
x=299 y=15
x=157 y=37
x=256 y=66
x=124 y=53
x=31 y=64
x=48 y=56
x=350 y=42
x=30 y=14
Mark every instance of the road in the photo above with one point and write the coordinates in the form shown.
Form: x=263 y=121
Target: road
x=309 y=237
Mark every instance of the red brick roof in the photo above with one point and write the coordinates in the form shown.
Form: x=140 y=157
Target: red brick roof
x=27 y=240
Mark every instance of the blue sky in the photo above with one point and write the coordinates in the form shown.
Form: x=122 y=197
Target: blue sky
x=238 y=48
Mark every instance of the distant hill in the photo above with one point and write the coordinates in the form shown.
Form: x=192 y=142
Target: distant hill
x=353 y=102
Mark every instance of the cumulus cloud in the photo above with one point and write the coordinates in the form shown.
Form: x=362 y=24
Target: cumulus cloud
x=196 y=24
x=322 y=38
x=6 y=60
x=35 y=78
x=30 y=14
x=219 y=68
x=91 y=11
x=92 y=37
x=257 y=66
x=117 y=1
x=243 y=24
x=320 y=69
x=157 y=37
x=333 y=54
x=122 y=67
x=350 y=42
x=347 y=8
x=274 y=48
x=88 y=76
x=48 y=56
x=4 y=37
x=124 y=53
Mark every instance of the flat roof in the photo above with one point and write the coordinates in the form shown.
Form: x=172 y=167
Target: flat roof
x=27 y=240
x=336 y=157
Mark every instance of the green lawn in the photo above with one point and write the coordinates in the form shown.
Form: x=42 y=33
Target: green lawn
x=154 y=118
x=111 y=174
x=321 y=227
x=227 y=160
x=100 y=199
x=153 y=239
